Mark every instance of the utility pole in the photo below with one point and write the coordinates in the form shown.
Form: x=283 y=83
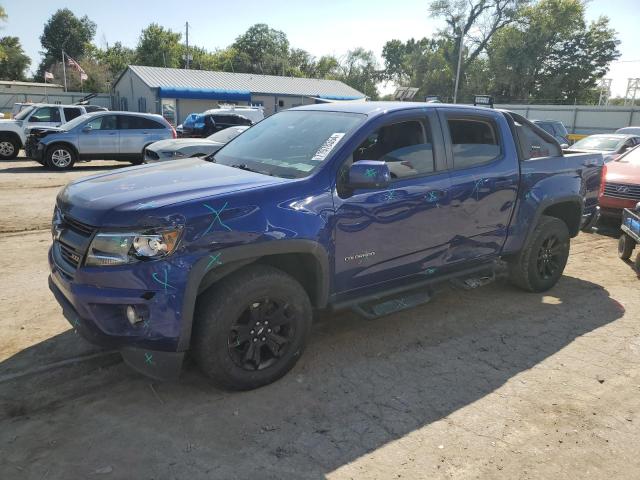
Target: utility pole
x=461 y=46
x=187 y=60
x=64 y=71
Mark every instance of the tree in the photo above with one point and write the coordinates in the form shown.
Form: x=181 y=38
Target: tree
x=158 y=47
x=359 y=70
x=261 y=49
x=551 y=55
x=13 y=61
x=65 y=31
x=474 y=20
x=116 y=58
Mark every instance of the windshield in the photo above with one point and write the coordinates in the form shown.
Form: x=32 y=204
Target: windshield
x=24 y=113
x=75 y=122
x=289 y=144
x=633 y=157
x=226 y=135
x=598 y=143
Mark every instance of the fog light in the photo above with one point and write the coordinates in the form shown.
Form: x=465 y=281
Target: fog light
x=132 y=315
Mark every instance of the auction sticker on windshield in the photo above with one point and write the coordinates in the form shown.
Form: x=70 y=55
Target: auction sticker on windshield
x=327 y=146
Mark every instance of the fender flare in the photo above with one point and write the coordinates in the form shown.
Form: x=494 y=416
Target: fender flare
x=202 y=277
x=546 y=203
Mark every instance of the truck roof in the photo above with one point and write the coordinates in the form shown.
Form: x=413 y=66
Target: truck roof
x=372 y=108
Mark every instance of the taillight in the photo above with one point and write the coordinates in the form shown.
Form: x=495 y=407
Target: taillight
x=603 y=180
x=173 y=132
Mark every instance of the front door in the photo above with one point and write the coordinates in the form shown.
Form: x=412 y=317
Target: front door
x=484 y=182
x=100 y=137
x=389 y=233
x=44 y=117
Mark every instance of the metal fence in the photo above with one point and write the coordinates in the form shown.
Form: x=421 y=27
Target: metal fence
x=66 y=98
x=581 y=119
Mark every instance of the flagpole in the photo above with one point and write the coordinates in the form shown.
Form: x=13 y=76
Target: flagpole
x=64 y=72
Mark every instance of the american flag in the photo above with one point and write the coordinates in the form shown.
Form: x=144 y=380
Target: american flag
x=72 y=63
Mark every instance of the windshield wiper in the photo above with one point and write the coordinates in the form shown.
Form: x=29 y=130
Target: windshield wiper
x=243 y=166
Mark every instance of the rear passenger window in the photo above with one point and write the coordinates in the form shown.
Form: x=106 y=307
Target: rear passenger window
x=473 y=141
x=138 y=123
x=406 y=147
x=533 y=145
x=71 y=113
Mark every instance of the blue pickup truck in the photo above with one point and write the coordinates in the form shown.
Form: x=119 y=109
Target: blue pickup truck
x=323 y=207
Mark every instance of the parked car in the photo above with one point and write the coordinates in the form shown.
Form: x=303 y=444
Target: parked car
x=18 y=107
x=364 y=206
x=556 y=129
x=629 y=131
x=94 y=108
x=611 y=146
x=99 y=135
x=621 y=187
x=190 y=147
x=13 y=133
x=255 y=114
x=200 y=125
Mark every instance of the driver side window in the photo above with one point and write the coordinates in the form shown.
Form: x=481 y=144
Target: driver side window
x=406 y=147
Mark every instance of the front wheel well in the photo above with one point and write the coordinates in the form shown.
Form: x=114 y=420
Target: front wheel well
x=305 y=268
x=62 y=144
x=569 y=212
x=12 y=136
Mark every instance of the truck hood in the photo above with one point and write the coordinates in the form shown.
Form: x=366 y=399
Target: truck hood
x=176 y=144
x=123 y=197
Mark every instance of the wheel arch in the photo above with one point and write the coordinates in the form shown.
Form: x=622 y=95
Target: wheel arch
x=12 y=136
x=63 y=143
x=305 y=260
x=569 y=211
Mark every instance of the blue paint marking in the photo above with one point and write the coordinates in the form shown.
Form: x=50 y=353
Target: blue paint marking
x=164 y=283
x=216 y=217
x=214 y=261
x=388 y=196
x=431 y=197
x=370 y=172
x=430 y=271
x=148 y=358
x=476 y=188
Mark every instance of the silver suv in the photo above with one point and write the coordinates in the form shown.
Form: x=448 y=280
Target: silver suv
x=99 y=135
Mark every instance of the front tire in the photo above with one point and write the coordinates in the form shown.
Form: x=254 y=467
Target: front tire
x=60 y=157
x=626 y=244
x=9 y=148
x=540 y=264
x=251 y=328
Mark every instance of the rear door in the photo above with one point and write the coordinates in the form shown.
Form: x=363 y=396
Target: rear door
x=100 y=137
x=484 y=170
x=138 y=132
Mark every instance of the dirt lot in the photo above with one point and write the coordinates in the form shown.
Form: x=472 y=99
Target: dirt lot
x=491 y=383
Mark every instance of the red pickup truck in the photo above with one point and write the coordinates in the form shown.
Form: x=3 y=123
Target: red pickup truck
x=621 y=186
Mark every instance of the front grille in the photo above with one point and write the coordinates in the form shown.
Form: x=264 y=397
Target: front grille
x=71 y=243
x=151 y=154
x=622 y=190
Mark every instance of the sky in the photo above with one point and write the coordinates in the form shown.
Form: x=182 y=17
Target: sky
x=320 y=27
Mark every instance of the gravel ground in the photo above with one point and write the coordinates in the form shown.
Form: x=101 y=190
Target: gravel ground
x=490 y=383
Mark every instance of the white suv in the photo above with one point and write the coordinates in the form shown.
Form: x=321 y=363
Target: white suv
x=13 y=133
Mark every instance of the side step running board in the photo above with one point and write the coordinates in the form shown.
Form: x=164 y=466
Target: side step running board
x=380 y=308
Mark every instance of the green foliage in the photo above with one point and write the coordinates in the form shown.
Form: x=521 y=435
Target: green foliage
x=159 y=47
x=359 y=70
x=13 y=62
x=65 y=31
x=261 y=49
x=116 y=58
x=551 y=55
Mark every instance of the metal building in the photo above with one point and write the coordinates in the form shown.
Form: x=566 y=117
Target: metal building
x=175 y=93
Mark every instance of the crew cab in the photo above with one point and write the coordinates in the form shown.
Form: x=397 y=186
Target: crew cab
x=365 y=206
x=13 y=133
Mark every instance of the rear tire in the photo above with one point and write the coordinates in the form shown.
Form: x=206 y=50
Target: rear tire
x=251 y=328
x=540 y=264
x=60 y=157
x=9 y=148
x=626 y=244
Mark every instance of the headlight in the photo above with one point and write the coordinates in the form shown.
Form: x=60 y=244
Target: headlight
x=118 y=248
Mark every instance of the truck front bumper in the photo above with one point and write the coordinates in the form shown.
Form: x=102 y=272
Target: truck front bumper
x=91 y=311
